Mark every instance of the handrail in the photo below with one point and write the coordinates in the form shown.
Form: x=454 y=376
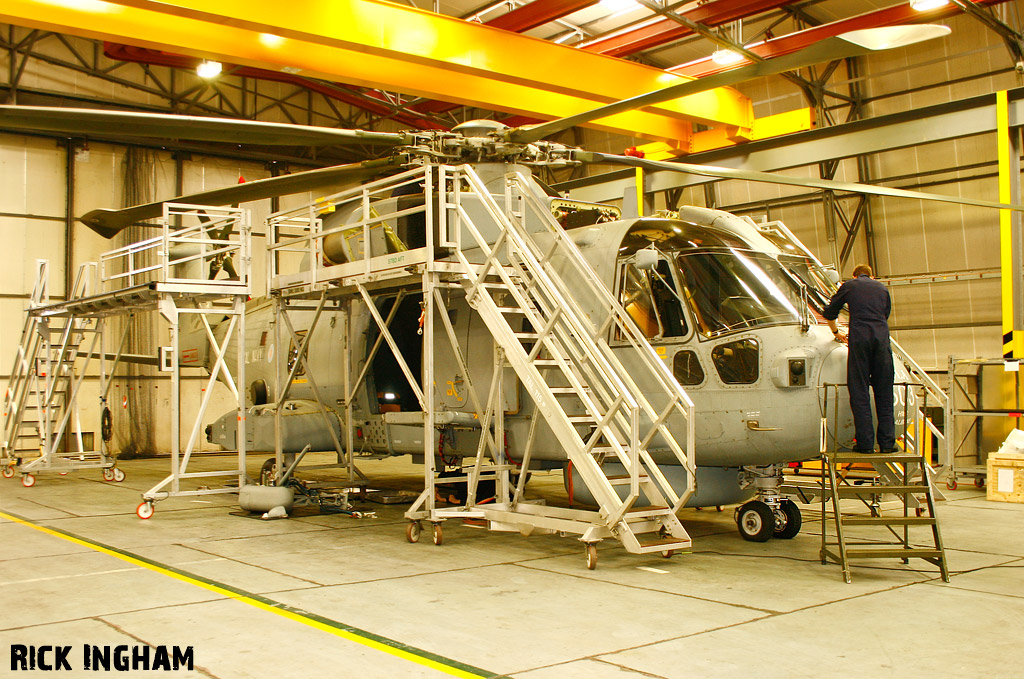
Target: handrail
x=919 y=372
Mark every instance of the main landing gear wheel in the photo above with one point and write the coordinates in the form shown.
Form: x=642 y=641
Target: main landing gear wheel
x=438 y=534
x=412 y=531
x=145 y=509
x=788 y=520
x=8 y=471
x=28 y=480
x=756 y=521
x=591 y=556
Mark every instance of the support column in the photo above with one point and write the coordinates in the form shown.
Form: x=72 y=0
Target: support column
x=1010 y=232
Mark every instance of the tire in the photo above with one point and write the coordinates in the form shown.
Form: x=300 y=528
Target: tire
x=412 y=531
x=8 y=471
x=591 y=556
x=438 y=534
x=145 y=510
x=979 y=481
x=119 y=475
x=951 y=483
x=793 y=521
x=756 y=521
x=108 y=474
x=28 y=480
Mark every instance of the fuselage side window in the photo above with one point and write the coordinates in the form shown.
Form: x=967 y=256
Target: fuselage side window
x=687 y=369
x=651 y=300
x=737 y=362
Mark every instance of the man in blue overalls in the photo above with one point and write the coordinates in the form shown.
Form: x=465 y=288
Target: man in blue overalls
x=869 y=364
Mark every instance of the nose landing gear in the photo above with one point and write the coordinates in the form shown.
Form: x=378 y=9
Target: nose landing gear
x=770 y=515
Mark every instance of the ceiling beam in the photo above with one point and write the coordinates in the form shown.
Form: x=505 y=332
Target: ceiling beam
x=537 y=13
x=379 y=44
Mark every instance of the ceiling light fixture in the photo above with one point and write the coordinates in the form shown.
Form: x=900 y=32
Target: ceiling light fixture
x=724 y=57
x=926 y=5
x=209 y=69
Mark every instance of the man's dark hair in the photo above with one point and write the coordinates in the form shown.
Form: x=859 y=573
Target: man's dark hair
x=861 y=269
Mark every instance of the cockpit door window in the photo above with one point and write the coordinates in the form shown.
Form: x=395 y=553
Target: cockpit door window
x=652 y=301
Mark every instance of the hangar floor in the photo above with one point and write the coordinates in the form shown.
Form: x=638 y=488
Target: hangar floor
x=489 y=604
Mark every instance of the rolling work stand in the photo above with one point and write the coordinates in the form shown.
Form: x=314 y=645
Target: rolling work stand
x=904 y=474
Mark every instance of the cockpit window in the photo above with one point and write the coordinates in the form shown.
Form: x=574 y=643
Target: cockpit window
x=736 y=362
x=651 y=300
x=730 y=289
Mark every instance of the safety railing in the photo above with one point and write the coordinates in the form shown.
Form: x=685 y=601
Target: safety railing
x=196 y=242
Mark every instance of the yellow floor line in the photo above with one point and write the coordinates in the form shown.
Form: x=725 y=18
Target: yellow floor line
x=397 y=649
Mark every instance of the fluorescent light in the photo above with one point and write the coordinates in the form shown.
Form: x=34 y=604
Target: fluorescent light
x=925 y=5
x=209 y=69
x=271 y=40
x=724 y=57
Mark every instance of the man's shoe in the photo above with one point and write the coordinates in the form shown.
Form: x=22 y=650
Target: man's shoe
x=864 y=451
x=892 y=449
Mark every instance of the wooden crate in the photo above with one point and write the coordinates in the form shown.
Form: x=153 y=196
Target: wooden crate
x=1005 y=481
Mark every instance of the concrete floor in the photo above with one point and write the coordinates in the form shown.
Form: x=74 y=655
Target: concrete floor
x=491 y=604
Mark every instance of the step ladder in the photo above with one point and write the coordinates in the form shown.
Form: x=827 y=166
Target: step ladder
x=905 y=475
x=530 y=291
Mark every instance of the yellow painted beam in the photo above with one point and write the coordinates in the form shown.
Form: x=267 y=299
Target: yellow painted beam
x=1013 y=340
x=377 y=44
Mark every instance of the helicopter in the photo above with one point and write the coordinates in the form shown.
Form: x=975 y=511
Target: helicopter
x=731 y=309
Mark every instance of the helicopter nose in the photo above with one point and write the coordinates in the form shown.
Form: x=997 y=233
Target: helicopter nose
x=833 y=399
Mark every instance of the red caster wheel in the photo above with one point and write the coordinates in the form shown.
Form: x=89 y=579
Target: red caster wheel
x=28 y=480
x=8 y=471
x=108 y=474
x=119 y=475
x=951 y=484
x=144 y=510
x=412 y=531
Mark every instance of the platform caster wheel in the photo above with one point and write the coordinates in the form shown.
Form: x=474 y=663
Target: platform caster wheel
x=145 y=510
x=755 y=521
x=919 y=511
x=668 y=553
x=412 y=531
x=62 y=473
x=979 y=481
x=788 y=520
x=28 y=480
x=951 y=484
x=719 y=508
x=119 y=475
x=8 y=471
x=591 y=557
x=438 y=534
x=108 y=474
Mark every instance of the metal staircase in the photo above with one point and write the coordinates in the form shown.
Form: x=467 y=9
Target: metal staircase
x=580 y=385
x=40 y=402
x=904 y=475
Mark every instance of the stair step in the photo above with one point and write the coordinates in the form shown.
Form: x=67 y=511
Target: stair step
x=527 y=335
x=625 y=480
x=557 y=391
x=648 y=512
x=868 y=458
x=511 y=310
x=848 y=491
x=889 y=521
x=890 y=552
x=582 y=419
x=664 y=542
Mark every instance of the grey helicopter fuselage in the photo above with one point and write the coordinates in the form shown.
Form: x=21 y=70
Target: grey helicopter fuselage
x=720 y=303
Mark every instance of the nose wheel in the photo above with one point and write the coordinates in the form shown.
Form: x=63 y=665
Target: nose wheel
x=757 y=521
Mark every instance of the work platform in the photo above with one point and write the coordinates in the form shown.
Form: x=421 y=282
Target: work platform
x=172 y=274
x=488 y=247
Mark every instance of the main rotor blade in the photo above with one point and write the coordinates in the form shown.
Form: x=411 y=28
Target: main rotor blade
x=108 y=223
x=844 y=46
x=769 y=178
x=82 y=121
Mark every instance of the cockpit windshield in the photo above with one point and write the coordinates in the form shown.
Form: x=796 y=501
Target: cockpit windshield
x=726 y=286
x=732 y=289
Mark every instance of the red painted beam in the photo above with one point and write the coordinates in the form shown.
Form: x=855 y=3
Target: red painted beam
x=663 y=31
x=143 y=55
x=538 y=13
x=793 y=42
